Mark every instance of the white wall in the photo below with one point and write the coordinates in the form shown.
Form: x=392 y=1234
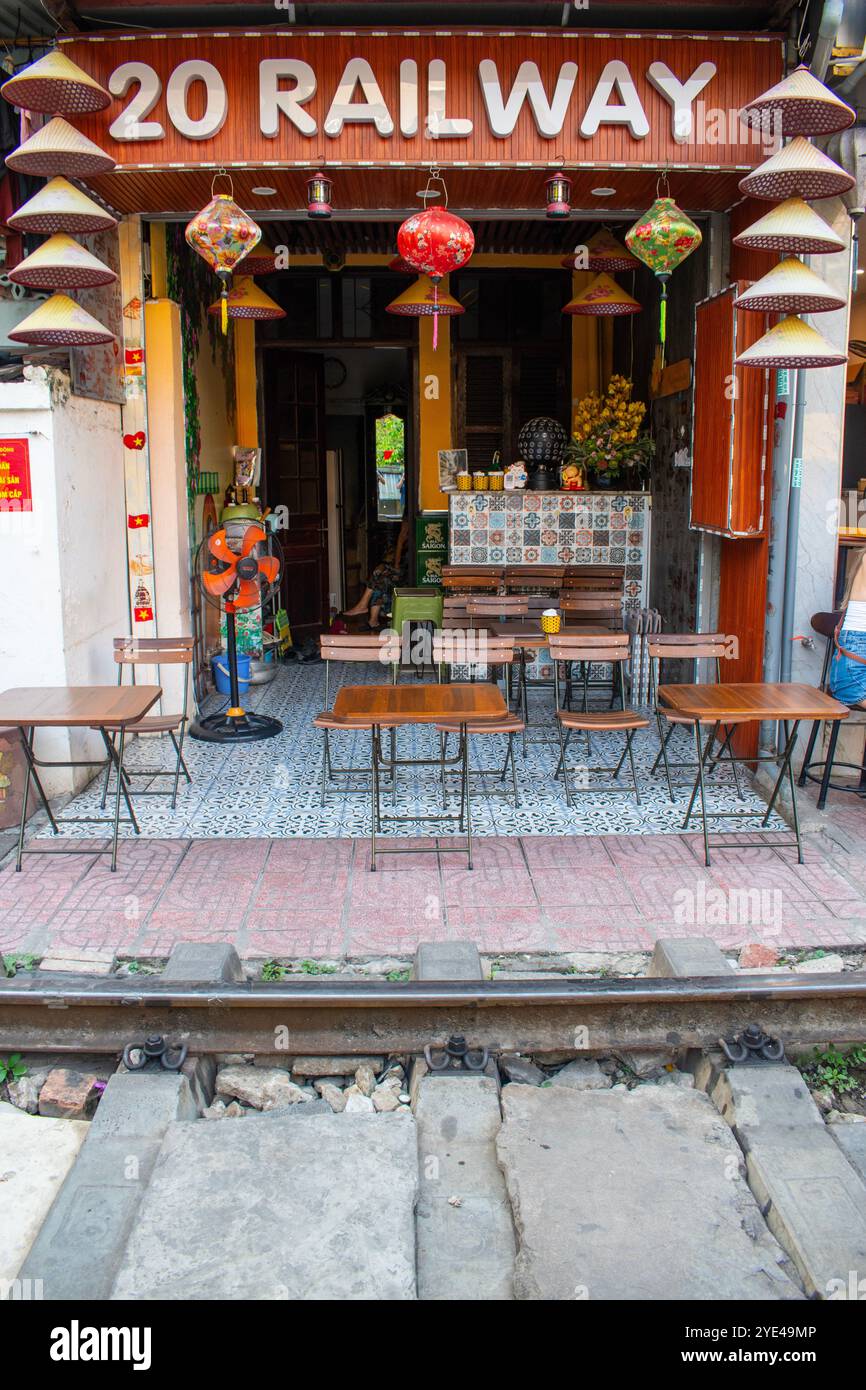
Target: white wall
x=63 y=586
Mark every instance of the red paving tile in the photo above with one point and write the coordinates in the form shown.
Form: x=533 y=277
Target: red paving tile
x=294 y=934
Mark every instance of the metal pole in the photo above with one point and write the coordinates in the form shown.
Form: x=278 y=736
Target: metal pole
x=793 y=530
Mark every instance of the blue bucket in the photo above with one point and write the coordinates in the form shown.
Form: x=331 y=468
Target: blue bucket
x=220 y=668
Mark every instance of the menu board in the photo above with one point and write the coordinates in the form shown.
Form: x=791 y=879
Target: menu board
x=15 y=491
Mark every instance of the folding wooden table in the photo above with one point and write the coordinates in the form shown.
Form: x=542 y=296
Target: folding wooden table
x=377 y=707
x=781 y=701
x=76 y=707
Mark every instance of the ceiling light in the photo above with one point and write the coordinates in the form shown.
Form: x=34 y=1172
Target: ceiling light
x=264 y=191
x=603 y=192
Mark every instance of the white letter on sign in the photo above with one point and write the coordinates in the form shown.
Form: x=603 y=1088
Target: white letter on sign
x=440 y=126
x=273 y=99
x=130 y=124
x=216 y=105
x=681 y=95
x=549 y=115
x=599 y=111
x=358 y=73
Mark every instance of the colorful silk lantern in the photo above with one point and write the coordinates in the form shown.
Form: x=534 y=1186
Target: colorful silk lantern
x=791 y=288
x=56 y=85
x=421 y=299
x=60 y=322
x=245 y=300
x=319 y=193
x=602 y=297
x=662 y=239
x=61 y=264
x=58 y=148
x=557 y=191
x=222 y=234
x=435 y=242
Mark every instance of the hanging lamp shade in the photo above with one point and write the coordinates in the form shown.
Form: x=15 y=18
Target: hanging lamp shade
x=401 y=267
x=792 y=343
x=60 y=322
x=792 y=228
x=435 y=242
x=61 y=264
x=246 y=300
x=60 y=207
x=58 y=148
x=223 y=234
x=262 y=260
x=797 y=170
x=602 y=296
x=790 y=288
x=607 y=254
x=422 y=299
x=801 y=105
x=56 y=85
x=662 y=239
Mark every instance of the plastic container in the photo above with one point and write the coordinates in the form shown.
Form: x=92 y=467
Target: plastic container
x=551 y=622
x=479 y=482
x=219 y=665
x=496 y=481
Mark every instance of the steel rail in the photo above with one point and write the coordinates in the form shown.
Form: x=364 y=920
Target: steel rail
x=312 y=1016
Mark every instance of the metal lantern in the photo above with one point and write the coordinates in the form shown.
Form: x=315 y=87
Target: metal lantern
x=435 y=242
x=245 y=300
x=791 y=288
x=60 y=207
x=791 y=228
x=61 y=264
x=421 y=299
x=222 y=234
x=56 y=85
x=58 y=148
x=542 y=440
x=319 y=190
x=799 y=169
x=662 y=239
x=792 y=344
x=60 y=322
x=801 y=105
x=557 y=192
x=602 y=296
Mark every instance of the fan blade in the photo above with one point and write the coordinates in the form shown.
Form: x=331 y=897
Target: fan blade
x=248 y=595
x=269 y=566
x=254 y=535
x=218 y=546
x=218 y=584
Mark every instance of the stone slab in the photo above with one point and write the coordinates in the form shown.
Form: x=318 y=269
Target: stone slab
x=683 y=957
x=78 y=1248
x=81 y=960
x=36 y=1155
x=447 y=960
x=465 y=1235
x=852 y=1141
x=632 y=1195
x=306 y=1067
x=195 y=961
x=278 y=1210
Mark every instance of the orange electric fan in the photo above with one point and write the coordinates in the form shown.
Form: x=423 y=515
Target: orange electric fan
x=238 y=569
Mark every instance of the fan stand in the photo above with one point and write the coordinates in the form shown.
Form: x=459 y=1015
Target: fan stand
x=235 y=724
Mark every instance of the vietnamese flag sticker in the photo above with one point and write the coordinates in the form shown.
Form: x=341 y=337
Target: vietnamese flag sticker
x=144 y=615
x=136 y=520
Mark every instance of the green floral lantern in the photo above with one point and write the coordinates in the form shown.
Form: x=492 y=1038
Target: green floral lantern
x=662 y=239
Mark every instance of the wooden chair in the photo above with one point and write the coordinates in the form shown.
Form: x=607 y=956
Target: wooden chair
x=352 y=648
x=154 y=651
x=825 y=625
x=599 y=607
x=453 y=649
x=614 y=649
x=689 y=646
x=468 y=579
x=535 y=579
x=595 y=578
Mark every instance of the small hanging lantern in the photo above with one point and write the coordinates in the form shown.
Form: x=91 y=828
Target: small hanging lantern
x=61 y=264
x=791 y=288
x=435 y=242
x=662 y=239
x=245 y=300
x=58 y=148
x=602 y=297
x=557 y=192
x=421 y=300
x=319 y=191
x=60 y=322
x=222 y=234
x=797 y=170
x=56 y=85
x=61 y=207
x=792 y=228
x=792 y=344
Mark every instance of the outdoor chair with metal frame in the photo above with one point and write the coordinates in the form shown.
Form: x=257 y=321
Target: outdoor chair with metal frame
x=467 y=579
x=450 y=649
x=534 y=579
x=690 y=646
x=599 y=607
x=158 y=652
x=366 y=649
x=825 y=624
x=614 y=650
x=595 y=578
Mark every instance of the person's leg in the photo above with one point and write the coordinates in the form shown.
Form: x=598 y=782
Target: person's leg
x=374 y=614
x=361 y=606
x=847 y=677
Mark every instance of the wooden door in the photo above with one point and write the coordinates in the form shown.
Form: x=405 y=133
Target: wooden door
x=296 y=481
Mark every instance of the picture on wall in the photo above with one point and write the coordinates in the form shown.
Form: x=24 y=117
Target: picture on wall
x=451 y=462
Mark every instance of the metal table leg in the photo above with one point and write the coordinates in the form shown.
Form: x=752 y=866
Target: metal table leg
x=32 y=775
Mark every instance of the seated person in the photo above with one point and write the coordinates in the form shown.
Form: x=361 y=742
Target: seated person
x=382 y=582
x=848 y=664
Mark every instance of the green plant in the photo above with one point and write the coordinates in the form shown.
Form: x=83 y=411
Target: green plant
x=312 y=967
x=272 y=970
x=831 y=1069
x=397 y=976
x=17 y=962
x=133 y=967
x=12 y=1068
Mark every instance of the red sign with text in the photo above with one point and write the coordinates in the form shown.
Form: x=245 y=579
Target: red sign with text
x=15 y=492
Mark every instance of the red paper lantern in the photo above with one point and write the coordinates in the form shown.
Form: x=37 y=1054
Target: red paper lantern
x=435 y=242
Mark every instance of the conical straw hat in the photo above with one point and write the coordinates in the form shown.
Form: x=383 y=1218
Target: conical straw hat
x=798 y=169
x=791 y=228
x=792 y=343
x=602 y=296
x=58 y=148
x=60 y=322
x=61 y=264
x=420 y=300
x=606 y=253
x=401 y=267
x=801 y=105
x=57 y=85
x=59 y=207
x=247 y=301
x=791 y=288
x=262 y=260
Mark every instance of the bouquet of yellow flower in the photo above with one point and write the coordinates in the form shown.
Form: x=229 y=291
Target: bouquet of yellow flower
x=607 y=437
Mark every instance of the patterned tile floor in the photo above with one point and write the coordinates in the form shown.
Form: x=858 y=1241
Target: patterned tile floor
x=251 y=857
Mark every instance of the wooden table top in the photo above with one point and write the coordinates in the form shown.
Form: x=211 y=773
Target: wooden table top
x=419 y=704
x=72 y=706
x=761 y=700
x=527 y=632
